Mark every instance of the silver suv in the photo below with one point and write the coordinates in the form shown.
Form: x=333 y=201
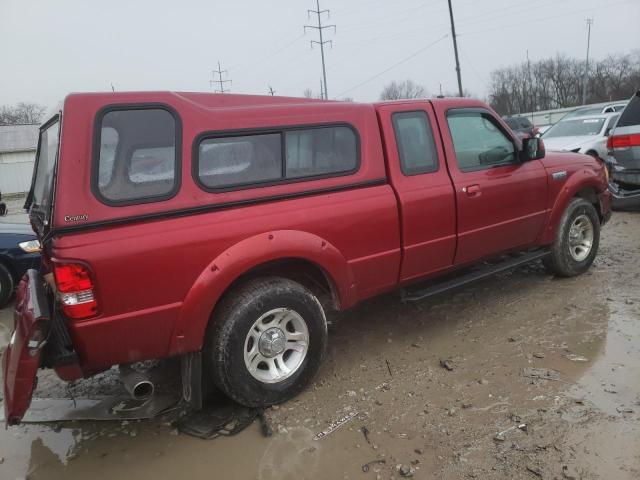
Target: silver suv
x=623 y=158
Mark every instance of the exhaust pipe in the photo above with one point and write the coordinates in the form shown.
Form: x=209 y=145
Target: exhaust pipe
x=137 y=384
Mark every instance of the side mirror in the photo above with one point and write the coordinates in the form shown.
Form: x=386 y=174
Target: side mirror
x=532 y=148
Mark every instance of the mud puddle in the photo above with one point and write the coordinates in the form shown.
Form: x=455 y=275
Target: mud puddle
x=553 y=363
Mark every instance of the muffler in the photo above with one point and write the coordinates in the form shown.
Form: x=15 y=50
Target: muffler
x=136 y=383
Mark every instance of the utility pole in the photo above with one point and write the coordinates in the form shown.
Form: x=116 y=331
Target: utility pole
x=455 y=49
x=219 y=81
x=320 y=28
x=586 y=66
x=531 y=94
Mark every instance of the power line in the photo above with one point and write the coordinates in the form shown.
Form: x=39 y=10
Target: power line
x=455 y=50
x=404 y=60
x=586 y=66
x=219 y=81
x=542 y=19
x=320 y=28
x=473 y=68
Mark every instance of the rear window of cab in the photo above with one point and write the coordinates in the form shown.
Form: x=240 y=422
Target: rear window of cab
x=137 y=155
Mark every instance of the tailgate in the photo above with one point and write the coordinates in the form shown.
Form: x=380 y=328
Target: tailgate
x=21 y=359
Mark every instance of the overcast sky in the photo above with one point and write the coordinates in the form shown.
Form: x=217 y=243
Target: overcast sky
x=50 y=48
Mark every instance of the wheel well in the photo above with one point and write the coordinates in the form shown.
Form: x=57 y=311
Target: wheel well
x=591 y=196
x=306 y=273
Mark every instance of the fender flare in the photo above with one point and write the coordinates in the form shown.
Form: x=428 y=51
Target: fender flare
x=240 y=258
x=581 y=179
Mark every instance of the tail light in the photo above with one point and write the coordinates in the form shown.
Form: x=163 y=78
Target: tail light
x=623 y=141
x=76 y=290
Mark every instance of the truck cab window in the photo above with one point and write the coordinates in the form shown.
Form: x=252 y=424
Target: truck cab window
x=228 y=162
x=137 y=156
x=478 y=142
x=416 y=146
x=320 y=151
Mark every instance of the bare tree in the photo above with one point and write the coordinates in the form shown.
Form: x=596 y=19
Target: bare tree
x=399 y=90
x=556 y=82
x=308 y=93
x=23 y=113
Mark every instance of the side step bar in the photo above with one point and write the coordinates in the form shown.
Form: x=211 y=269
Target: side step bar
x=414 y=294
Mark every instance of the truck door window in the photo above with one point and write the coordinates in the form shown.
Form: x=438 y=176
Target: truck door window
x=416 y=145
x=478 y=142
x=137 y=157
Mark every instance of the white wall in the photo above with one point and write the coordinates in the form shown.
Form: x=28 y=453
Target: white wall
x=16 y=169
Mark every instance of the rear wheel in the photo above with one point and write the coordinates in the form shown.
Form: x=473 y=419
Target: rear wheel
x=265 y=341
x=577 y=240
x=6 y=285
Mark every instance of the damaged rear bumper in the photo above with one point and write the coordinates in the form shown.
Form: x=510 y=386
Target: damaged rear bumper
x=624 y=198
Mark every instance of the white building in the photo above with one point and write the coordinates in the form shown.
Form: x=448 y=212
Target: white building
x=18 y=145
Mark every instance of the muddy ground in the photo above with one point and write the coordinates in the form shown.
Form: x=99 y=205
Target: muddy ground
x=384 y=366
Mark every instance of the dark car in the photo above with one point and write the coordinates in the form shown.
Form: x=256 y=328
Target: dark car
x=623 y=157
x=521 y=126
x=19 y=251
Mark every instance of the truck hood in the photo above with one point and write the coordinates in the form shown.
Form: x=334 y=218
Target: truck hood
x=567 y=143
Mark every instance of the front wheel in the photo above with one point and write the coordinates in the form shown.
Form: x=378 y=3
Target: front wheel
x=265 y=341
x=577 y=240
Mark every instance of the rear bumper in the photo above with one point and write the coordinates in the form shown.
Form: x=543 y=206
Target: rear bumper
x=623 y=198
x=624 y=173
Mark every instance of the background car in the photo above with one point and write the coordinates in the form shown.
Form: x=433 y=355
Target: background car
x=19 y=251
x=623 y=157
x=585 y=134
x=582 y=111
x=521 y=126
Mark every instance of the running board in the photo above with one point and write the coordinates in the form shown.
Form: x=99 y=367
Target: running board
x=413 y=294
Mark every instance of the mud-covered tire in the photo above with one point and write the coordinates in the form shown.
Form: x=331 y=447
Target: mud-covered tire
x=6 y=285
x=234 y=321
x=561 y=261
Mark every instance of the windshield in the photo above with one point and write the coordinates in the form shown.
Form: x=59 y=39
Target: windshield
x=45 y=163
x=576 y=128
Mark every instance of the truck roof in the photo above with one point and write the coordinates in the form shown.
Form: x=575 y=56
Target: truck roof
x=236 y=100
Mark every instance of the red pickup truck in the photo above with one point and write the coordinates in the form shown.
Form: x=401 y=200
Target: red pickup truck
x=220 y=228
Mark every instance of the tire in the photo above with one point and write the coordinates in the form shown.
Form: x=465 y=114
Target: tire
x=6 y=285
x=234 y=342
x=569 y=254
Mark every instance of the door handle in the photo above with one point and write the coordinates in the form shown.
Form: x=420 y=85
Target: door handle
x=472 y=190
